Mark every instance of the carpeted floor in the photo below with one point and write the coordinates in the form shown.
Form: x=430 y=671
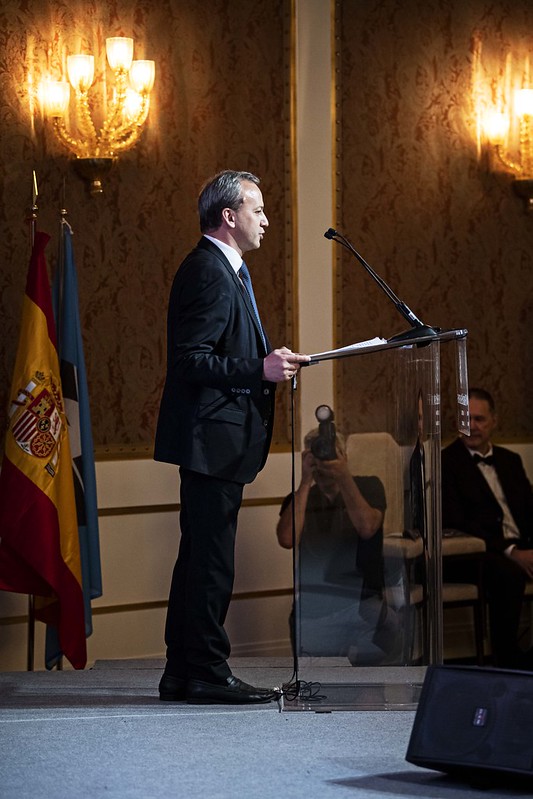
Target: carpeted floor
x=104 y=733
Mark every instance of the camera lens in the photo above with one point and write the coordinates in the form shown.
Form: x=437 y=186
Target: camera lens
x=324 y=413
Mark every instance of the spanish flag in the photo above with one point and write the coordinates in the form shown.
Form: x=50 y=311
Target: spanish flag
x=39 y=544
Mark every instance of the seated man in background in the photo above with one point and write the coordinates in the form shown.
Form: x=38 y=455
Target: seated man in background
x=486 y=493
x=339 y=534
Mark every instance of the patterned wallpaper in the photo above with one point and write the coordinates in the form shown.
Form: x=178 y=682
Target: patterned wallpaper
x=221 y=99
x=417 y=199
x=415 y=192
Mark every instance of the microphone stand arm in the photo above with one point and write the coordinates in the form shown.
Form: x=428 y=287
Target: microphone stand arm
x=418 y=327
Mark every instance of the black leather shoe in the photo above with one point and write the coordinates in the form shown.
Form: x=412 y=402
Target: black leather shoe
x=234 y=692
x=172 y=689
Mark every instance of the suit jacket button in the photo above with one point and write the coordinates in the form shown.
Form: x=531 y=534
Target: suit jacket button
x=266 y=391
x=247 y=390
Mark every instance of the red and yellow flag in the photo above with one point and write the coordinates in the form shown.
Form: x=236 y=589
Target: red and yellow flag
x=39 y=544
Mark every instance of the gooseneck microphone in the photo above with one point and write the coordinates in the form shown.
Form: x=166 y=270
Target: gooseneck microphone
x=418 y=327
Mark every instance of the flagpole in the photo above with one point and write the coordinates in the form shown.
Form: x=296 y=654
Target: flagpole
x=31 y=598
x=63 y=217
x=60 y=266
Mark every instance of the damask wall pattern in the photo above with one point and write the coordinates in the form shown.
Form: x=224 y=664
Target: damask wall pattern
x=417 y=199
x=221 y=100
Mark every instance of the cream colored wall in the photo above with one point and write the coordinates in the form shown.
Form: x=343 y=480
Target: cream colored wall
x=138 y=540
x=138 y=549
x=315 y=201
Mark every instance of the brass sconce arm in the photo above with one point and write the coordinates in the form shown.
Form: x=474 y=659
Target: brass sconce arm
x=510 y=166
x=126 y=135
x=85 y=123
x=77 y=147
x=522 y=168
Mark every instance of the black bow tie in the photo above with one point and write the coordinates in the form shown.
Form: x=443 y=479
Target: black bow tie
x=489 y=460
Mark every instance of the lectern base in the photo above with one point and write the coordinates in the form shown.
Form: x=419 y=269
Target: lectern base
x=328 y=697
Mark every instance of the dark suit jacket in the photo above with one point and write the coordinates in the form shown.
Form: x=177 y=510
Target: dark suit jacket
x=216 y=411
x=469 y=505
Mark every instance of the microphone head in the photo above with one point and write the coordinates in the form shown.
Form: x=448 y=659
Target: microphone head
x=330 y=233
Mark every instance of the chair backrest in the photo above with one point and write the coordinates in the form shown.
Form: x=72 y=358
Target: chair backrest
x=380 y=455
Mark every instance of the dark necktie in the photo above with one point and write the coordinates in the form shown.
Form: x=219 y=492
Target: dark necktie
x=488 y=461
x=247 y=282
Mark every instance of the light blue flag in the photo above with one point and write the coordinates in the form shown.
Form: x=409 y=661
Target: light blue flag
x=76 y=397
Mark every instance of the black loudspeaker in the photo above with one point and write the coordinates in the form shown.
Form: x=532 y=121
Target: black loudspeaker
x=475 y=723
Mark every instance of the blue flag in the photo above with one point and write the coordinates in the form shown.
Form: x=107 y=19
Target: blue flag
x=76 y=398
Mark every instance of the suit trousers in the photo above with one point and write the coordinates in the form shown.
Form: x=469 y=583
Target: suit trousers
x=504 y=583
x=202 y=582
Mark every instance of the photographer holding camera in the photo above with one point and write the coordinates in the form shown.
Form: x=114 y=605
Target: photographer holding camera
x=339 y=534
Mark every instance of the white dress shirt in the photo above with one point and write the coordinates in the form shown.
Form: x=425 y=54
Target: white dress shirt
x=230 y=252
x=510 y=529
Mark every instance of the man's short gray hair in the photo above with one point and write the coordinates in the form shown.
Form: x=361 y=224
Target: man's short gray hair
x=482 y=394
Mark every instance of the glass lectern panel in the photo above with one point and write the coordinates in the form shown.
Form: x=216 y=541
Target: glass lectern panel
x=368 y=586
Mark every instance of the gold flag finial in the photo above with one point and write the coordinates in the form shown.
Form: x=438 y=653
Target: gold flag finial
x=33 y=210
x=35 y=189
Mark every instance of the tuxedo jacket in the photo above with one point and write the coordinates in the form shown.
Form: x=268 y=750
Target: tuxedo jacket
x=468 y=503
x=216 y=411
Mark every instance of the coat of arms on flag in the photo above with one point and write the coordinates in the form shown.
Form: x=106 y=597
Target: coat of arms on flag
x=36 y=419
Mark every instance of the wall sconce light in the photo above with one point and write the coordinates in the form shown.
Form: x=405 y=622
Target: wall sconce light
x=497 y=125
x=503 y=104
x=95 y=150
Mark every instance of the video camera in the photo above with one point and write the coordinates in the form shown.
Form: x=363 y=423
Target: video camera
x=323 y=446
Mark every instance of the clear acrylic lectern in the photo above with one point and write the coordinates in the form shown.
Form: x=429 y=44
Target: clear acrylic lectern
x=370 y=609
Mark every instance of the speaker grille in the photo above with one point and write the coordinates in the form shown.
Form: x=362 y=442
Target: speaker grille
x=474 y=717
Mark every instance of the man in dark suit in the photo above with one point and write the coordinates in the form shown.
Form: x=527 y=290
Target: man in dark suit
x=215 y=421
x=486 y=493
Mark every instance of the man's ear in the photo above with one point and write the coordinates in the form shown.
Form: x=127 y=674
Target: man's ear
x=228 y=215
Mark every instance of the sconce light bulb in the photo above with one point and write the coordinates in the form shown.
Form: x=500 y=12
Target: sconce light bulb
x=55 y=97
x=496 y=126
x=142 y=76
x=80 y=70
x=523 y=102
x=119 y=51
x=132 y=105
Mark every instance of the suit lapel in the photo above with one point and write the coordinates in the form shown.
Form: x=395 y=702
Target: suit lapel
x=216 y=251
x=473 y=473
x=251 y=313
x=506 y=481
